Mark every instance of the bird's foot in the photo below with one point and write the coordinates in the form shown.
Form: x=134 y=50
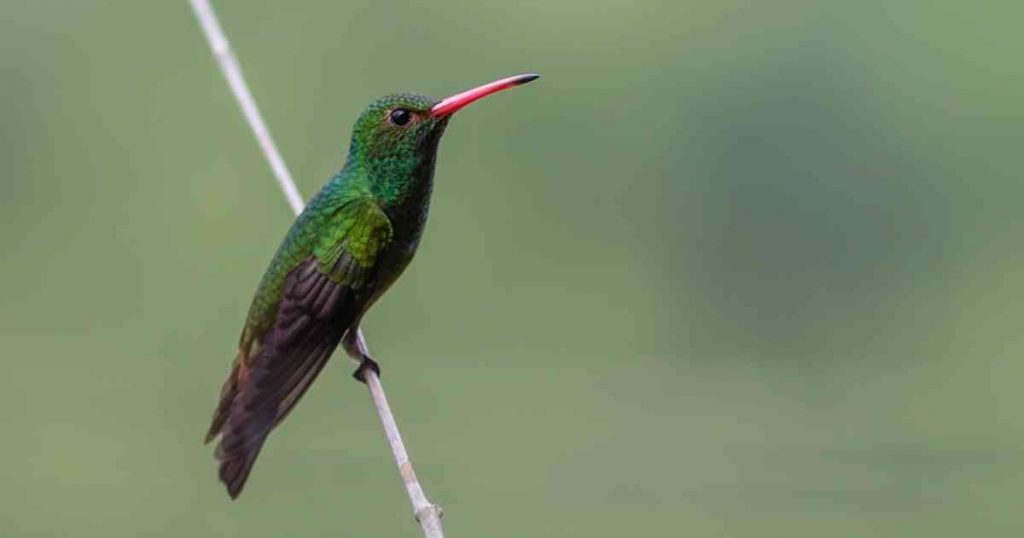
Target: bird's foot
x=366 y=364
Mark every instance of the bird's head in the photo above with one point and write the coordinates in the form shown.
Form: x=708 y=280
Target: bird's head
x=396 y=137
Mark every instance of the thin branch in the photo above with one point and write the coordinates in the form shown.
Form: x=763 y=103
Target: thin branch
x=233 y=73
x=427 y=514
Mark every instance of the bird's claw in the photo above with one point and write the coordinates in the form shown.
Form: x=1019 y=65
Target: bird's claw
x=366 y=364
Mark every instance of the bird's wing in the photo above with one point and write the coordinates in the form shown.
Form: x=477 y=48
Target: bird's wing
x=277 y=361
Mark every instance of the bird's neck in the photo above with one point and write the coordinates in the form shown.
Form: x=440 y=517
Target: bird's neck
x=401 y=184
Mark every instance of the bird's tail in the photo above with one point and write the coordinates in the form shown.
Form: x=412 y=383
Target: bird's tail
x=259 y=393
x=235 y=465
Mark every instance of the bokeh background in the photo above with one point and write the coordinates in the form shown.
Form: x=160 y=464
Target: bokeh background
x=729 y=268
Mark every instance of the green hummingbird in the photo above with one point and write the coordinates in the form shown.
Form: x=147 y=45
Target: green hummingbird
x=352 y=241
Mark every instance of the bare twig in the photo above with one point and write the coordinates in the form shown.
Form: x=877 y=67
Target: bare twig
x=427 y=514
x=233 y=73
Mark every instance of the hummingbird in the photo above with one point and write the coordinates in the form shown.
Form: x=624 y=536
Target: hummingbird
x=347 y=247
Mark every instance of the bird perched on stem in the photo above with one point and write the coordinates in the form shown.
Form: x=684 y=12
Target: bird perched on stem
x=354 y=238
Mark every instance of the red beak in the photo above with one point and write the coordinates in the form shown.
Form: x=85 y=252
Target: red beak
x=449 y=105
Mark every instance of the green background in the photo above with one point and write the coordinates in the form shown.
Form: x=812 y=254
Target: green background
x=728 y=268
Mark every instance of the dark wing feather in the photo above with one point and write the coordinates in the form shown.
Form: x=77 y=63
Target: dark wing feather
x=312 y=316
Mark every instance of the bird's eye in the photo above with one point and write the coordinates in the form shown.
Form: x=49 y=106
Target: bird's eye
x=400 y=116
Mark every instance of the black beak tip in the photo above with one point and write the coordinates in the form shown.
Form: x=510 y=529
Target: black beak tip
x=529 y=77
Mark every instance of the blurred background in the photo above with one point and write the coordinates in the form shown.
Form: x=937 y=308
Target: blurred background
x=727 y=269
